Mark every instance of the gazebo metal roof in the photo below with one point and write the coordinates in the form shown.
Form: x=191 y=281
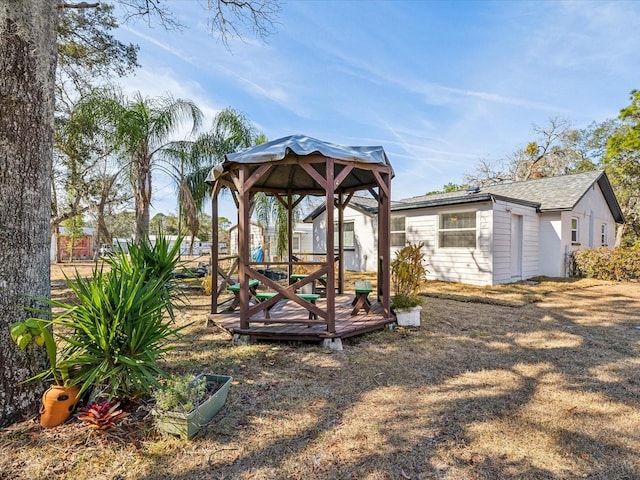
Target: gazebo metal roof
x=288 y=153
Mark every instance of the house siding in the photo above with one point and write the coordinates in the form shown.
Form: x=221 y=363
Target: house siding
x=503 y=216
x=362 y=256
x=591 y=212
x=551 y=250
x=468 y=265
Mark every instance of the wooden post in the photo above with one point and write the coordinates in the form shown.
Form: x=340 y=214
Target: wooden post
x=244 y=235
x=290 y=232
x=384 y=241
x=331 y=289
x=215 y=247
x=340 y=243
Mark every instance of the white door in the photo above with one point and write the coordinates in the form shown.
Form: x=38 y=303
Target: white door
x=516 y=247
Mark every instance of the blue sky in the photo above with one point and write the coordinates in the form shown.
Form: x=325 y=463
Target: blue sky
x=438 y=84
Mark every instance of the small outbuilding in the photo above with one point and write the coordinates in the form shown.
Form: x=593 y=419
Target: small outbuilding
x=492 y=234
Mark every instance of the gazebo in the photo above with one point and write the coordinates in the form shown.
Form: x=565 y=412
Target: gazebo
x=290 y=169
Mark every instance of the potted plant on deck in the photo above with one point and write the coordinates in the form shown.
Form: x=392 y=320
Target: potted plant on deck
x=184 y=404
x=61 y=398
x=408 y=275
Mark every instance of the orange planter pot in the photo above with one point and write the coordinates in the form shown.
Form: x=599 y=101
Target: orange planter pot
x=58 y=403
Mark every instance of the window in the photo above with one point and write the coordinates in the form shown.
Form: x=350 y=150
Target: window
x=398 y=236
x=295 y=242
x=457 y=230
x=574 y=229
x=348 y=235
x=603 y=235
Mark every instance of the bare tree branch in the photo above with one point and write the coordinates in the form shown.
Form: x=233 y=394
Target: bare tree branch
x=77 y=5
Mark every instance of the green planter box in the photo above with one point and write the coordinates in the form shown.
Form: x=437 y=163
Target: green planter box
x=186 y=425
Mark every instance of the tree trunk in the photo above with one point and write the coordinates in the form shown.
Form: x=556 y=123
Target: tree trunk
x=27 y=73
x=619 y=234
x=142 y=196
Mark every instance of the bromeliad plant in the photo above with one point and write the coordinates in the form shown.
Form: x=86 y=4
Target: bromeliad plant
x=408 y=275
x=102 y=415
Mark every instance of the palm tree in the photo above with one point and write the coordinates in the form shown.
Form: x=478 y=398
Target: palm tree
x=143 y=128
x=231 y=131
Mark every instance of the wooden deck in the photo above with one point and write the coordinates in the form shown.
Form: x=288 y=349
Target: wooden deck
x=346 y=324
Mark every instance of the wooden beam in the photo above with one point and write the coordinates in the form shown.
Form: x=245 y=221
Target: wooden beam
x=299 y=199
x=341 y=176
x=313 y=173
x=346 y=201
x=255 y=176
x=289 y=292
x=281 y=200
x=214 y=247
x=289 y=208
x=382 y=183
x=340 y=244
x=384 y=251
x=359 y=188
x=283 y=191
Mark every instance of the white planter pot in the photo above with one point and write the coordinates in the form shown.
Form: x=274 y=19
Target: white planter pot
x=408 y=317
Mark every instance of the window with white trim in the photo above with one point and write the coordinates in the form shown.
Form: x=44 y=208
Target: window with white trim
x=398 y=232
x=295 y=242
x=348 y=235
x=575 y=224
x=457 y=230
x=603 y=235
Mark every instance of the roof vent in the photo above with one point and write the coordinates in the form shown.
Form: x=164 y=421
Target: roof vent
x=473 y=189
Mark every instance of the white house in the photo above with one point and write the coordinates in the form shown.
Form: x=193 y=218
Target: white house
x=489 y=235
x=185 y=246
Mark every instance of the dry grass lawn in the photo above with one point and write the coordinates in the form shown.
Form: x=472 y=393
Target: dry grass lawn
x=547 y=389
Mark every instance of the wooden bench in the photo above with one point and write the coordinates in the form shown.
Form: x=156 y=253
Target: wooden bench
x=235 y=289
x=361 y=300
x=299 y=276
x=309 y=297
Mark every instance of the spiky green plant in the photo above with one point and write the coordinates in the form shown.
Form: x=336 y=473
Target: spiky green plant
x=408 y=274
x=121 y=322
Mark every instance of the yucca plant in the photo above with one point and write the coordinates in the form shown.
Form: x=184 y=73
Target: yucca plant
x=121 y=322
x=117 y=331
x=158 y=261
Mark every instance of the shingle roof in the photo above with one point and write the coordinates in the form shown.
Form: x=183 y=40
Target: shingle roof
x=545 y=194
x=549 y=194
x=364 y=204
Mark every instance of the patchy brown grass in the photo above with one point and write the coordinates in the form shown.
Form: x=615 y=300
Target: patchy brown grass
x=510 y=295
x=546 y=390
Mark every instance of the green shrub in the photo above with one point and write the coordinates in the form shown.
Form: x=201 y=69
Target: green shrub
x=116 y=330
x=181 y=393
x=408 y=275
x=620 y=264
